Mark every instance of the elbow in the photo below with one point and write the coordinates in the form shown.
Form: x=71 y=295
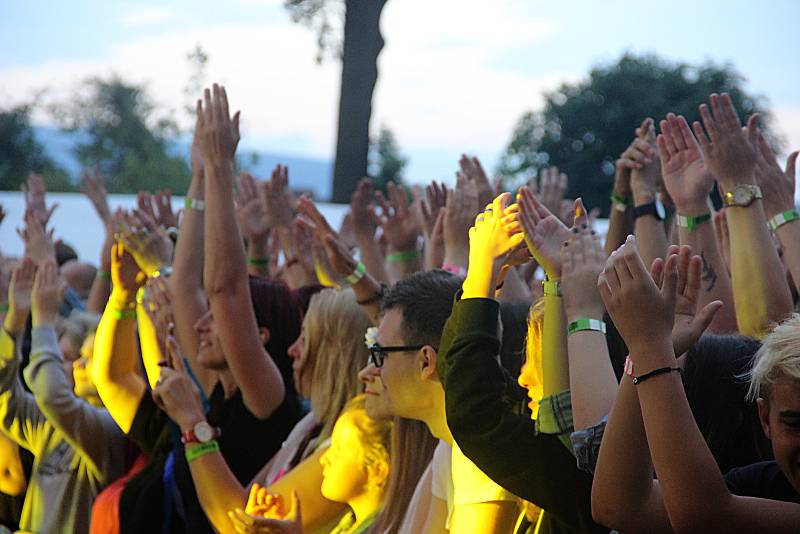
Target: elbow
x=604 y=512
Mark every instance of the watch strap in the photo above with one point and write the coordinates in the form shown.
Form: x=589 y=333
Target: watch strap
x=730 y=196
x=782 y=218
x=190 y=437
x=551 y=288
x=690 y=222
x=647 y=209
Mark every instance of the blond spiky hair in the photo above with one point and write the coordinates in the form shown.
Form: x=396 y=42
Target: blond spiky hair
x=778 y=357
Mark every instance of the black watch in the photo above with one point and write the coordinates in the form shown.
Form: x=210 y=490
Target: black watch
x=656 y=209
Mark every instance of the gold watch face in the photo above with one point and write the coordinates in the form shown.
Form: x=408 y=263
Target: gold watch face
x=742 y=196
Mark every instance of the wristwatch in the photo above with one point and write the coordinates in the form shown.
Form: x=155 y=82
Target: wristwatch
x=742 y=195
x=202 y=432
x=655 y=208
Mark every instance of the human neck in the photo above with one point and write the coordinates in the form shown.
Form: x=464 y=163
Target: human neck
x=365 y=505
x=436 y=419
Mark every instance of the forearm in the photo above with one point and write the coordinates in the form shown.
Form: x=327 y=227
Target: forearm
x=555 y=363
x=620 y=226
x=224 y=259
x=593 y=385
x=401 y=263
x=760 y=290
x=650 y=238
x=14 y=321
x=789 y=237
x=218 y=490
x=513 y=288
x=100 y=291
x=715 y=282
x=258 y=256
x=372 y=258
x=369 y=293
x=150 y=346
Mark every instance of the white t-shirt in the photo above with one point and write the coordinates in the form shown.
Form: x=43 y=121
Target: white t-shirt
x=457 y=480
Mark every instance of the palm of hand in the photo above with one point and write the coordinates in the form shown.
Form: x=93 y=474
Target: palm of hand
x=126 y=273
x=21 y=293
x=731 y=155
x=401 y=232
x=253 y=218
x=686 y=176
x=546 y=238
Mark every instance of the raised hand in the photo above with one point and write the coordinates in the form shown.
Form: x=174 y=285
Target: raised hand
x=125 y=272
x=583 y=260
x=38 y=243
x=729 y=152
x=217 y=132
x=279 y=201
x=689 y=322
x=461 y=208
x=45 y=295
x=95 y=189
x=198 y=166
x=544 y=232
x=146 y=241
x=248 y=523
x=162 y=200
x=21 y=287
x=365 y=220
x=251 y=209
x=472 y=170
x=176 y=393
x=685 y=175
x=435 y=201
x=646 y=174
x=398 y=223
x=643 y=314
x=552 y=188
x=777 y=185
x=337 y=253
x=34 y=192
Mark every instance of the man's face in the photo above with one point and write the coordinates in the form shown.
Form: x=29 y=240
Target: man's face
x=780 y=418
x=400 y=380
x=209 y=351
x=376 y=401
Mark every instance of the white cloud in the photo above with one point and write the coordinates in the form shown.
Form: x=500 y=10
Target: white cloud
x=150 y=15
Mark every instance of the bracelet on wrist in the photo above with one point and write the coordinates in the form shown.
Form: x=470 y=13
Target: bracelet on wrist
x=405 y=255
x=194 y=204
x=377 y=297
x=660 y=371
x=123 y=314
x=620 y=203
x=782 y=218
x=690 y=222
x=584 y=324
x=356 y=275
x=258 y=262
x=551 y=288
x=104 y=275
x=195 y=452
x=4 y=308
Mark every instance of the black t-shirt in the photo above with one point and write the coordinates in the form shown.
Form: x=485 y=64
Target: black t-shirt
x=764 y=479
x=246 y=443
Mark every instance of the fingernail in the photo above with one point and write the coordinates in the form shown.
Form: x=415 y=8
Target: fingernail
x=578 y=210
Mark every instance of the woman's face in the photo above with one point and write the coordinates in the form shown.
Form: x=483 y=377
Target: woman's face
x=344 y=475
x=298 y=352
x=82 y=371
x=530 y=379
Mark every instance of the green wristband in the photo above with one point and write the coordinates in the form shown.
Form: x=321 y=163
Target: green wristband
x=357 y=275
x=691 y=222
x=406 y=255
x=619 y=200
x=258 y=262
x=123 y=314
x=104 y=275
x=193 y=453
x=194 y=204
x=4 y=308
x=580 y=325
x=782 y=218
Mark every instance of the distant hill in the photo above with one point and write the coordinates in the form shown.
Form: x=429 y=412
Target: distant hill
x=305 y=174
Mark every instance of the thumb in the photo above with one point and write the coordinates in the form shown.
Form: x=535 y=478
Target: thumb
x=581 y=217
x=704 y=317
x=670 y=281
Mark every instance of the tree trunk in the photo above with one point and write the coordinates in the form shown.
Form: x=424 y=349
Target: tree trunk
x=362 y=45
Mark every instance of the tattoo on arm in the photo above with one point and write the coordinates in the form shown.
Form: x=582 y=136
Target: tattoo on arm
x=709 y=274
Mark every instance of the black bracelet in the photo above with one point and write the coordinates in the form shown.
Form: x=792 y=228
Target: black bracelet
x=660 y=371
x=374 y=298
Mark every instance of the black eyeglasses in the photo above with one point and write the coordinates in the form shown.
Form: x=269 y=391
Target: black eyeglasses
x=377 y=353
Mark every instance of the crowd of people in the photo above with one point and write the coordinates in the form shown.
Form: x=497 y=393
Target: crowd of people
x=459 y=359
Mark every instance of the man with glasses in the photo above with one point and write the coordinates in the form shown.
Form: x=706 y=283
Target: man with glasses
x=402 y=376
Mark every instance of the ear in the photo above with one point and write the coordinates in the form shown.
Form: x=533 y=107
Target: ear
x=427 y=363
x=264 y=333
x=378 y=475
x=763 y=415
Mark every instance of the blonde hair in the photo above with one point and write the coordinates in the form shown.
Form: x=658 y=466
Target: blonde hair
x=334 y=333
x=533 y=351
x=778 y=357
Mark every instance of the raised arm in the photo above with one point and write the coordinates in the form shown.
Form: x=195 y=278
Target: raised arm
x=620 y=218
x=365 y=225
x=544 y=234
x=90 y=430
x=251 y=212
x=401 y=231
x=689 y=184
x=115 y=369
x=760 y=290
x=225 y=269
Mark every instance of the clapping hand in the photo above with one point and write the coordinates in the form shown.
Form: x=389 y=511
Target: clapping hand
x=337 y=253
x=583 y=259
x=147 y=241
x=777 y=185
x=544 y=232
x=399 y=225
x=264 y=514
x=685 y=175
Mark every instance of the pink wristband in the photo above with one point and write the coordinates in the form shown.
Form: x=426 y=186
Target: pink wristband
x=455 y=269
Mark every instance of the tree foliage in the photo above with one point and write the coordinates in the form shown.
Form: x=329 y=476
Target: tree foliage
x=585 y=126
x=124 y=137
x=21 y=153
x=386 y=160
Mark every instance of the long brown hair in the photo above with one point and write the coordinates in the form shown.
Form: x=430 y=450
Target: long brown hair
x=412 y=451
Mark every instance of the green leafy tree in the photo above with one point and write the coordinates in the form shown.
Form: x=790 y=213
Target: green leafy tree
x=584 y=127
x=124 y=137
x=386 y=160
x=361 y=43
x=21 y=153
